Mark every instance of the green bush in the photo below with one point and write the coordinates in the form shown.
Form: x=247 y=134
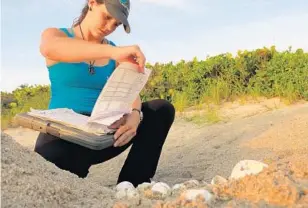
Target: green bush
x=262 y=72
x=21 y=100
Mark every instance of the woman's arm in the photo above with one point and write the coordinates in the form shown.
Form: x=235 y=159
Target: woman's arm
x=137 y=103
x=128 y=129
x=55 y=45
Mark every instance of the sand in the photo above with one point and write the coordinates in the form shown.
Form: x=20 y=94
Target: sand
x=278 y=137
x=29 y=181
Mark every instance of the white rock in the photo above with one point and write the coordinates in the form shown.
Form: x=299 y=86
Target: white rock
x=218 y=180
x=161 y=188
x=247 y=167
x=192 y=194
x=120 y=194
x=178 y=186
x=134 y=200
x=127 y=193
x=144 y=186
x=125 y=185
x=132 y=194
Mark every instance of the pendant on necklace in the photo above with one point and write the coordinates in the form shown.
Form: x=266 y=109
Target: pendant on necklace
x=91 y=69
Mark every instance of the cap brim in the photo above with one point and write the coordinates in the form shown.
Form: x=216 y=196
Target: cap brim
x=120 y=16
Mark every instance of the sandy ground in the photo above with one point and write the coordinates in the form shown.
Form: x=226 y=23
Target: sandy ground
x=258 y=132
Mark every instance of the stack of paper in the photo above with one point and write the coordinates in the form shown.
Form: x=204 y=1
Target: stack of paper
x=120 y=91
x=115 y=100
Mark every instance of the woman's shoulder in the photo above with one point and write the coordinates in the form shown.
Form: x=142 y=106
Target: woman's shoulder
x=64 y=31
x=55 y=30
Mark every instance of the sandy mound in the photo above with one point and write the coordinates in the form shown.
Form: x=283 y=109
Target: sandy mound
x=278 y=138
x=29 y=181
x=284 y=183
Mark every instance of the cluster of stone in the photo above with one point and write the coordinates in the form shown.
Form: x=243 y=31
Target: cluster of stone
x=192 y=193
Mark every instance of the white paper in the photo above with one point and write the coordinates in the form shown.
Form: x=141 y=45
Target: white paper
x=115 y=100
x=119 y=93
x=69 y=118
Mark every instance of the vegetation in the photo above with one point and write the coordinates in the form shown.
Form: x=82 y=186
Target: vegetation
x=262 y=72
x=21 y=100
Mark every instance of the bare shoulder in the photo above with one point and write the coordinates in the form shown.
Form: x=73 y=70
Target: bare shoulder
x=46 y=36
x=52 y=32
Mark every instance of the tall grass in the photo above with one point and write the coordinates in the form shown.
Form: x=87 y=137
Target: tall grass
x=263 y=72
x=24 y=99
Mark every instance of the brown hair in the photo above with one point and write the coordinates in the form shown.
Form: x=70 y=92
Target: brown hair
x=84 y=12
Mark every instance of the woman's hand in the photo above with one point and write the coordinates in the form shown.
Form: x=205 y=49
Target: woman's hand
x=131 y=54
x=127 y=130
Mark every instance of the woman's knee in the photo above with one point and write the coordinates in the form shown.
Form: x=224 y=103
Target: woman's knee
x=168 y=110
x=164 y=108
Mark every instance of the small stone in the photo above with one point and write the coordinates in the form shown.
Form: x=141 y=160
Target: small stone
x=133 y=196
x=247 y=167
x=218 y=180
x=148 y=194
x=197 y=194
x=125 y=185
x=178 y=188
x=126 y=189
x=132 y=193
x=161 y=188
x=120 y=194
x=144 y=186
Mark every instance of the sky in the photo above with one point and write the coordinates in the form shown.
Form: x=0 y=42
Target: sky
x=165 y=30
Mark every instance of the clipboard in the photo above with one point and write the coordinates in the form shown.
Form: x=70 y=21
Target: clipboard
x=70 y=134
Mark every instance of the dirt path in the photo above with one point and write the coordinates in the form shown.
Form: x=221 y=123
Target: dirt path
x=201 y=152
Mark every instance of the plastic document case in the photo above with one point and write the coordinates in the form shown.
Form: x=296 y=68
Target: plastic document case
x=89 y=140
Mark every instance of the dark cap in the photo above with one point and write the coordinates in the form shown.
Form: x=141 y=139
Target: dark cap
x=119 y=9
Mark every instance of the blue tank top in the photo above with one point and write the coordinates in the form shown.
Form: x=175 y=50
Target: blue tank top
x=73 y=87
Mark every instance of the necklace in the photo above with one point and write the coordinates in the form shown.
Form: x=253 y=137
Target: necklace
x=91 y=66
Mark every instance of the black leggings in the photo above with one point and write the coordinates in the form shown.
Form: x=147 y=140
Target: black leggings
x=141 y=163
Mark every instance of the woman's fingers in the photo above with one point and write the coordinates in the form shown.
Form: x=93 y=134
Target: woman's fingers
x=128 y=138
x=141 y=60
x=130 y=59
x=115 y=125
x=118 y=123
x=125 y=137
x=131 y=54
x=120 y=131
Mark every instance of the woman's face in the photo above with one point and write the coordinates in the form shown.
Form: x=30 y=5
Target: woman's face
x=103 y=23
